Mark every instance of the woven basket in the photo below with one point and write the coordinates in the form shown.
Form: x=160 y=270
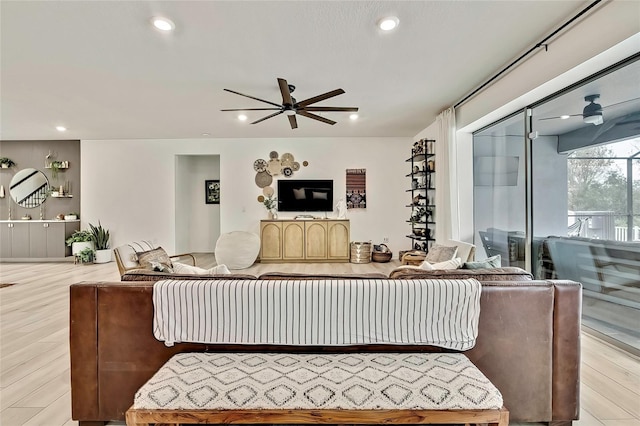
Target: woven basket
x=381 y=256
x=360 y=252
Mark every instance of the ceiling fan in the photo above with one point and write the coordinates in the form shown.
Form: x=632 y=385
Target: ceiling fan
x=592 y=113
x=290 y=106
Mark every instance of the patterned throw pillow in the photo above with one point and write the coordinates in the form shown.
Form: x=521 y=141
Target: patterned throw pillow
x=155 y=260
x=448 y=264
x=489 y=263
x=439 y=253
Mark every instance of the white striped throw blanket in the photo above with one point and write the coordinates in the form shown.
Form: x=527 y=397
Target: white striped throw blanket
x=441 y=313
x=231 y=381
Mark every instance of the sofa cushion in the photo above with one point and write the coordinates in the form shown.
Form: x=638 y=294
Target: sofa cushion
x=488 y=263
x=181 y=268
x=301 y=276
x=147 y=275
x=509 y=273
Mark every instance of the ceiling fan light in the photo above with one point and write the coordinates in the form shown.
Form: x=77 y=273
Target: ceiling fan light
x=595 y=119
x=290 y=112
x=388 y=23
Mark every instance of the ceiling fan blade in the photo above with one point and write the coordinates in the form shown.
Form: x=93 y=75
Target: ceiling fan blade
x=252 y=109
x=252 y=97
x=293 y=121
x=319 y=98
x=316 y=117
x=558 y=117
x=620 y=103
x=339 y=109
x=284 y=90
x=267 y=117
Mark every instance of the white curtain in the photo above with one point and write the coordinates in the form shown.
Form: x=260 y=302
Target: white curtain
x=447 y=213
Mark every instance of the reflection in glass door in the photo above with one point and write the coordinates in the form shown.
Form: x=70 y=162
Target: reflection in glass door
x=499 y=191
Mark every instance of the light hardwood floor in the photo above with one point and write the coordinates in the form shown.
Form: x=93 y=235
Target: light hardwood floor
x=34 y=346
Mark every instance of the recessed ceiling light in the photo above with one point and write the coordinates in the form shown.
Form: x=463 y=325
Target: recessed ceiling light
x=206 y=134
x=61 y=128
x=564 y=117
x=163 y=24
x=353 y=117
x=242 y=117
x=388 y=23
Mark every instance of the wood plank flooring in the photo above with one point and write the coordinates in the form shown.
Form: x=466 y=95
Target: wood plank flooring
x=34 y=346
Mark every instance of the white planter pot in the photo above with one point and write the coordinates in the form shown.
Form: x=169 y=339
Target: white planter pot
x=102 y=256
x=78 y=247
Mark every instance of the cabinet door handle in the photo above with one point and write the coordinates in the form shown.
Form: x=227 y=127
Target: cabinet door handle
x=46 y=225
x=9 y=225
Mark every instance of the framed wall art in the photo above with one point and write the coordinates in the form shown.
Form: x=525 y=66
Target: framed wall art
x=212 y=191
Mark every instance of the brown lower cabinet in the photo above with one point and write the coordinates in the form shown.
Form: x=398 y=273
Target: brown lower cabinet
x=318 y=240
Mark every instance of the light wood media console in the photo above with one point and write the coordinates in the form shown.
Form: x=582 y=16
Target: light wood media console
x=316 y=240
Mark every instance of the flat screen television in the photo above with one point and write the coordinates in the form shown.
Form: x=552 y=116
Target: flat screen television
x=305 y=195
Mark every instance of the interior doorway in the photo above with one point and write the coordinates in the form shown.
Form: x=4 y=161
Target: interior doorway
x=197 y=222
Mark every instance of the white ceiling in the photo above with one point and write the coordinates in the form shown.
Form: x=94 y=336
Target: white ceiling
x=100 y=69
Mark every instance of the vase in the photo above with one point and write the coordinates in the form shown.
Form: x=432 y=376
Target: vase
x=273 y=214
x=102 y=256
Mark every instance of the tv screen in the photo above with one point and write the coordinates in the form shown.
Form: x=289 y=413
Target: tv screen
x=305 y=195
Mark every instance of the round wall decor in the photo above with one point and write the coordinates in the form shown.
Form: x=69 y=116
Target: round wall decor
x=273 y=154
x=263 y=179
x=288 y=157
x=295 y=166
x=287 y=171
x=261 y=198
x=274 y=168
x=305 y=163
x=259 y=165
x=268 y=191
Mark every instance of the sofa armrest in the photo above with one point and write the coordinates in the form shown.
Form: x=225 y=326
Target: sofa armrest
x=567 y=315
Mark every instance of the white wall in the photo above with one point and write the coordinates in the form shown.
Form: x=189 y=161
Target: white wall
x=128 y=184
x=197 y=223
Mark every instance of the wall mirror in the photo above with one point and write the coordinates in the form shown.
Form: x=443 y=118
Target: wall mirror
x=29 y=188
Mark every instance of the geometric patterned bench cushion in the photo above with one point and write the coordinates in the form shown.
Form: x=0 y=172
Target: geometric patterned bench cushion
x=356 y=381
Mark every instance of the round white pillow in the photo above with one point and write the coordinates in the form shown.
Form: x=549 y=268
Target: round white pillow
x=237 y=249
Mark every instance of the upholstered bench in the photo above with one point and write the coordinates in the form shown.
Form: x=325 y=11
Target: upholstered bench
x=361 y=388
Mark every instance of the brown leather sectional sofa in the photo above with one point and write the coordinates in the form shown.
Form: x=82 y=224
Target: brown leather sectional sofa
x=528 y=346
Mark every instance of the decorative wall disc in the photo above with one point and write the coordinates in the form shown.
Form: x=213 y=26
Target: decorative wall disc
x=260 y=198
x=263 y=179
x=295 y=166
x=274 y=168
x=288 y=157
x=268 y=191
x=305 y=163
x=259 y=165
x=287 y=171
x=286 y=163
x=273 y=154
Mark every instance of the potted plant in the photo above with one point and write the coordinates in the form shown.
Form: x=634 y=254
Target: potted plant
x=271 y=203
x=85 y=255
x=5 y=162
x=100 y=237
x=55 y=167
x=79 y=241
